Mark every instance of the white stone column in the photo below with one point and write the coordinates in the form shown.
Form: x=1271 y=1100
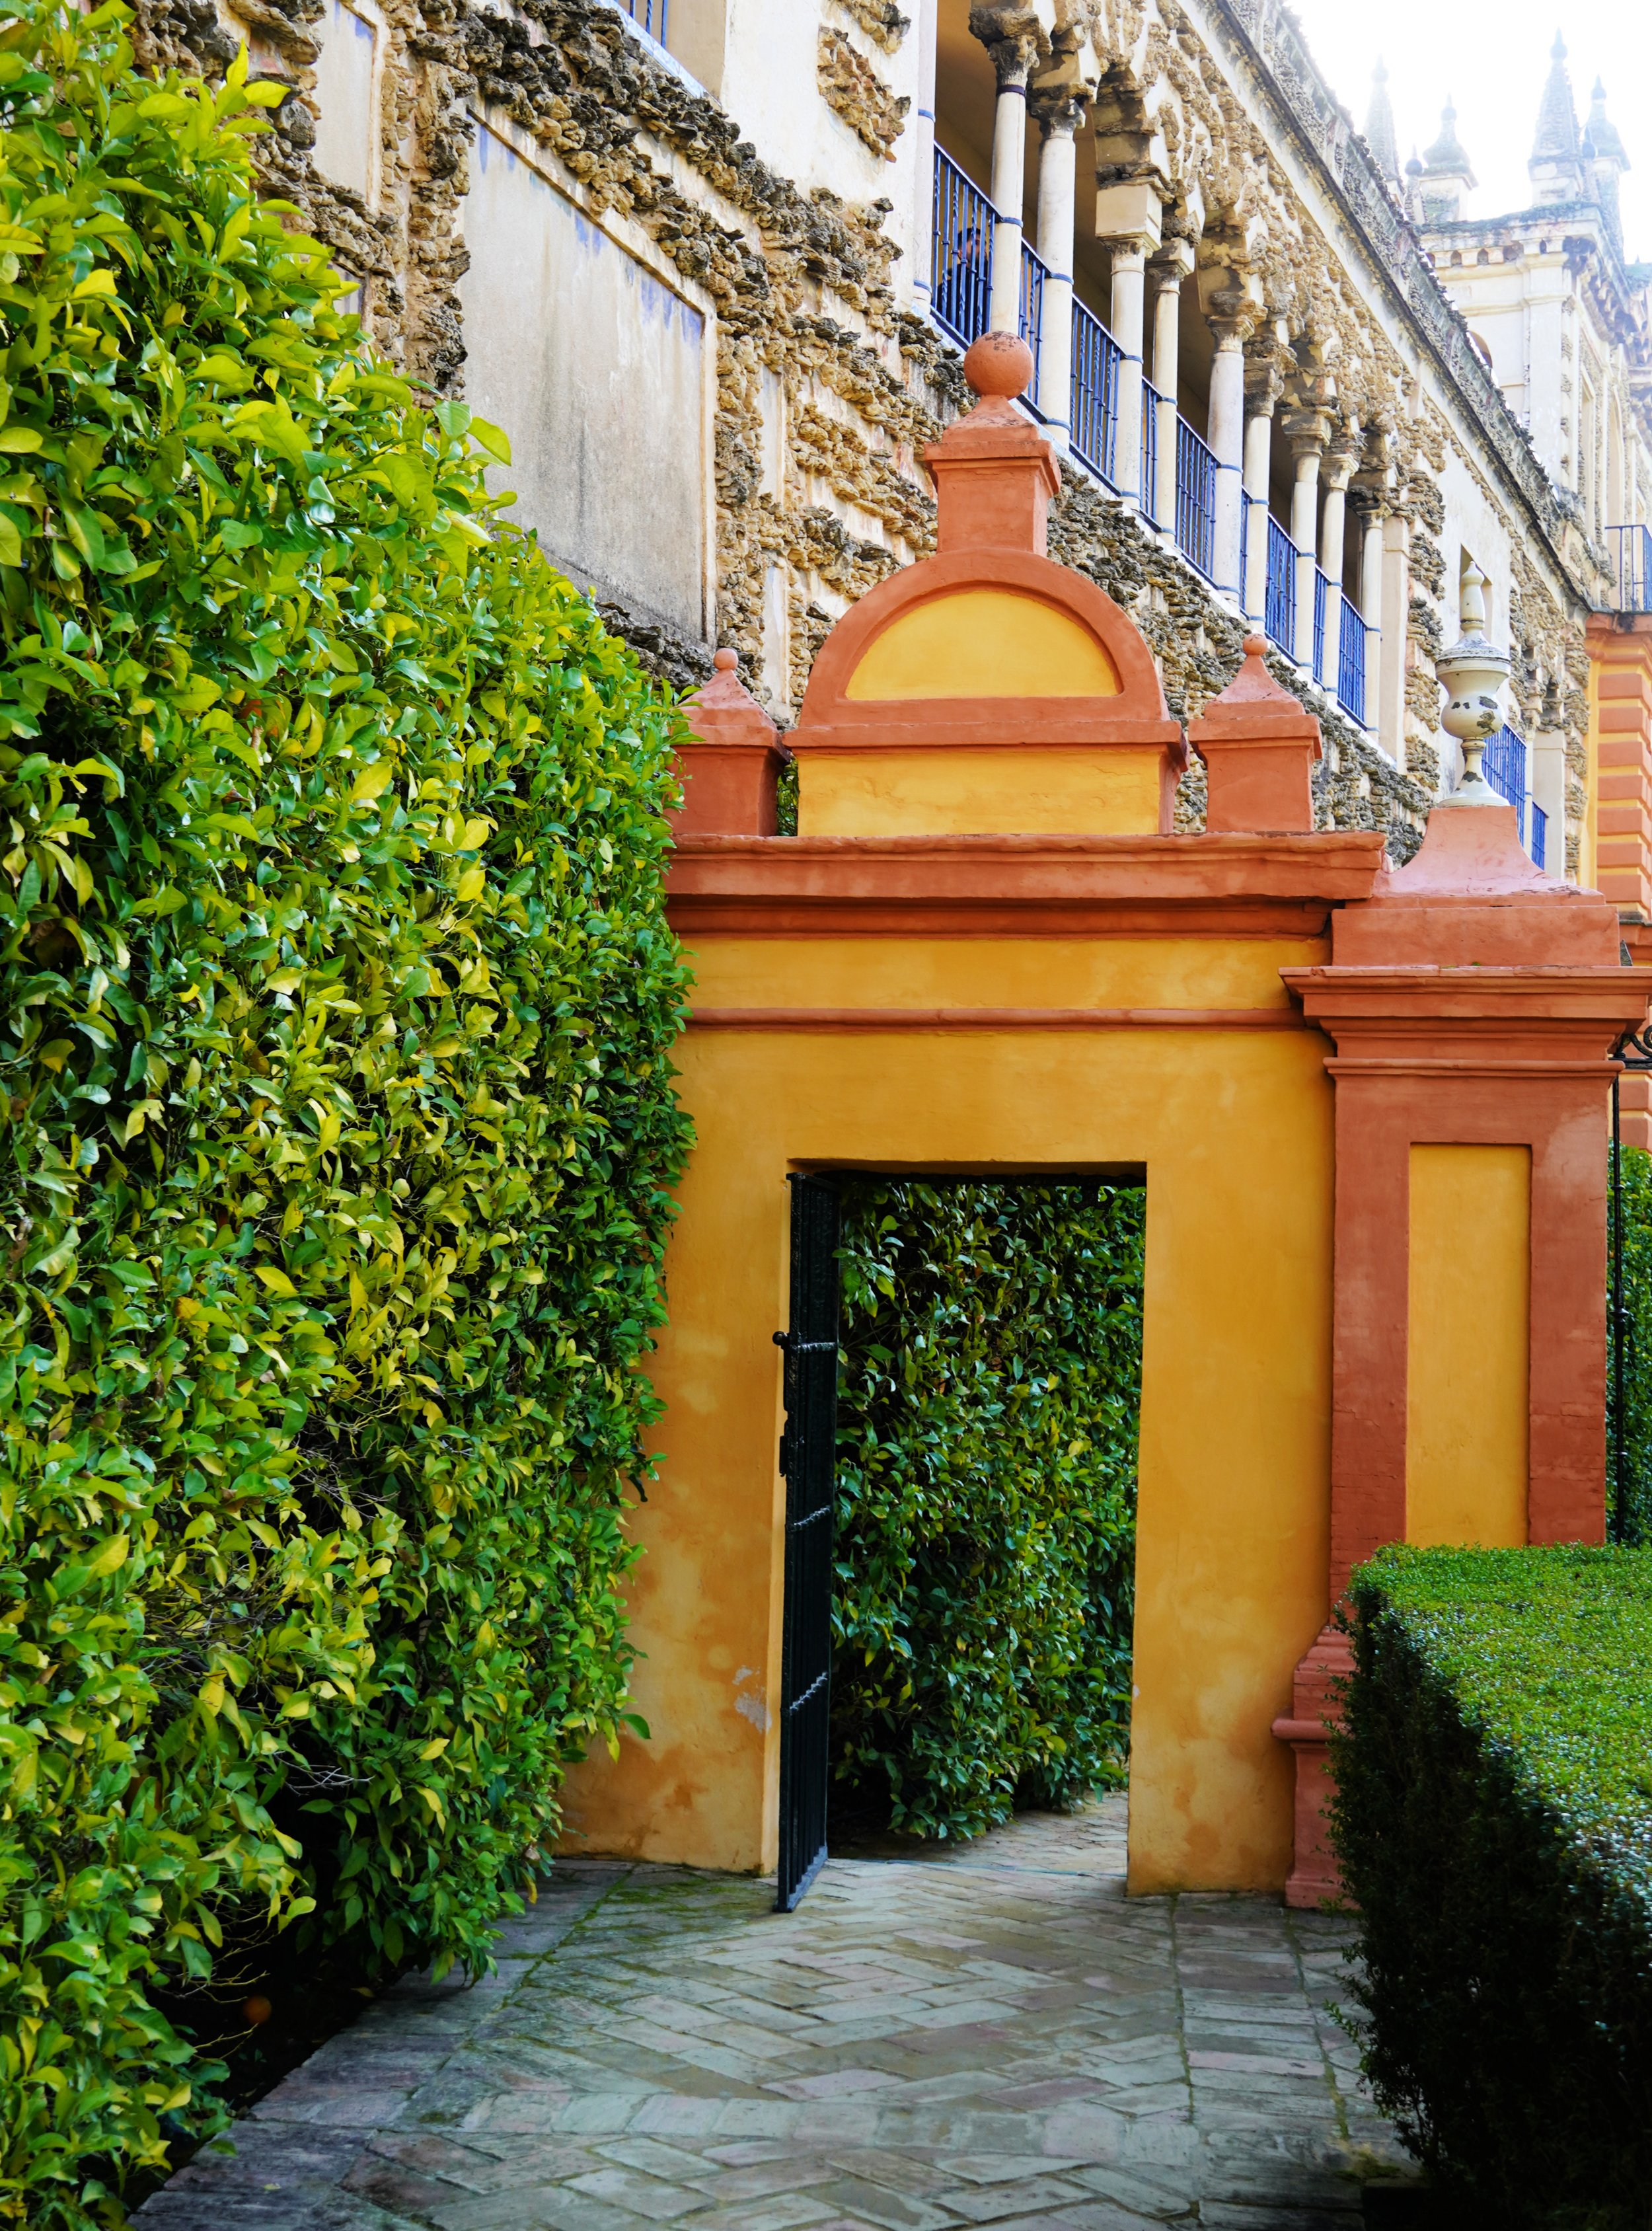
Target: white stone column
x=1129 y=219
x=923 y=143
x=1392 y=651
x=1129 y=266
x=1307 y=433
x=1261 y=394
x=1335 y=473
x=1166 y=273
x=1012 y=58
x=1227 y=438
x=1058 y=117
x=1371 y=603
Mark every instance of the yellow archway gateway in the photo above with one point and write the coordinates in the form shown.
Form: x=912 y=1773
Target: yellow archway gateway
x=984 y=952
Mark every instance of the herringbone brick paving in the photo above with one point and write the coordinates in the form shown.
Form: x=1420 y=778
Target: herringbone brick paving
x=996 y=2037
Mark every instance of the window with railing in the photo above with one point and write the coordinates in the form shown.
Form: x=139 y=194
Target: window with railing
x=1279 y=608
x=651 y=14
x=1095 y=392
x=1150 y=401
x=1631 y=552
x=1504 y=766
x=1352 y=643
x=1034 y=272
x=1195 y=482
x=961 y=270
x=1322 y=592
x=1540 y=836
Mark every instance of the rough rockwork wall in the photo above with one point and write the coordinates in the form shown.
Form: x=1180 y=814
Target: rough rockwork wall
x=801 y=287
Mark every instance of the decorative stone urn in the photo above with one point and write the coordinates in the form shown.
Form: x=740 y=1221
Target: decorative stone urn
x=1471 y=673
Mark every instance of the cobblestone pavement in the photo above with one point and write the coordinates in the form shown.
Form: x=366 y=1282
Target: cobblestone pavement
x=996 y=2037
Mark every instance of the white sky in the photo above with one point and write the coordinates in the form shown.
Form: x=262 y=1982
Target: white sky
x=1493 y=62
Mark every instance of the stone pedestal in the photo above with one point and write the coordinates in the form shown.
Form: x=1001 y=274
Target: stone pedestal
x=1314 y=1881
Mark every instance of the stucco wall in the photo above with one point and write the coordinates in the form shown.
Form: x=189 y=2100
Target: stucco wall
x=1233 y=1128
x=599 y=371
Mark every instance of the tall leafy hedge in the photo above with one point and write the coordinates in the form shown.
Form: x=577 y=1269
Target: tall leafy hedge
x=986 y=1460
x=1495 y=1823
x=1630 y=1490
x=337 y=1003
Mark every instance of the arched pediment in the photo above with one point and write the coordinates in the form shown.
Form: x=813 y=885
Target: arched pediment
x=979 y=646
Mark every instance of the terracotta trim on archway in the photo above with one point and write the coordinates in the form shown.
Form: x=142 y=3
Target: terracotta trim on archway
x=1137 y=716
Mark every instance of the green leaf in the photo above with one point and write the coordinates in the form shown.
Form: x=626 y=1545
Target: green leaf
x=84 y=532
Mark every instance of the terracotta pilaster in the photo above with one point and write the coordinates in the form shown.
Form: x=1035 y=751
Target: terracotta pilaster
x=1620 y=704
x=731 y=763
x=1472 y=1000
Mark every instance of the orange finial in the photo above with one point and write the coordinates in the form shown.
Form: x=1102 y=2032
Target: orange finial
x=998 y=366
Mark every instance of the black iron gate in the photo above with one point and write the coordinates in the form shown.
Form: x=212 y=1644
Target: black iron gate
x=808 y=1449
x=1635 y=1051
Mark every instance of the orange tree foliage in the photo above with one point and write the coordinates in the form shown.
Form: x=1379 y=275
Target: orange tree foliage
x=337 y=1002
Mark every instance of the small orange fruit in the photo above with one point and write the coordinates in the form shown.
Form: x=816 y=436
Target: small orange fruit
x=257 y=2009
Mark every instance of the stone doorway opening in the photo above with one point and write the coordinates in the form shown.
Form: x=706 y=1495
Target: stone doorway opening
x=988 y=1406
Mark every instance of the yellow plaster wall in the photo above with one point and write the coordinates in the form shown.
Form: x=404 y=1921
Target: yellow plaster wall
x=1468 y=1346
x=984 y=643
x=1234 y=1128
x=1101 y=790
x=999 y=972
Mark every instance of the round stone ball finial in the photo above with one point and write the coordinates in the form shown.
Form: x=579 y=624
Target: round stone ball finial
x=725 y=661
x=998 y=365
x=1256 y=646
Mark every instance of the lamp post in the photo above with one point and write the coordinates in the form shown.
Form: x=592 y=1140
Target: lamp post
x=1471 y=673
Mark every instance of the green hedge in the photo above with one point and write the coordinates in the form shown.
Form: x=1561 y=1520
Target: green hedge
x=987 y=1495
x=1494 y=1821
x=337 y=1003
x=1633 y=1520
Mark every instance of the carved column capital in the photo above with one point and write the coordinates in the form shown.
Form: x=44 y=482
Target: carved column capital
x=1307 y=432
x=1232 y=317
x=1171 y=264
x=1056 y=108
x=1264 y=383
x=1013 y=36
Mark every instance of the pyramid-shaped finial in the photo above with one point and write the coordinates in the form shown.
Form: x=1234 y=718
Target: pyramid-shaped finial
x=1555 y=160
x=1379 y=125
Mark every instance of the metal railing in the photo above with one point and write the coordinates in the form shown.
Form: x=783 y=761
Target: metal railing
x=1196 y=481
x=1540 y=836
x=1631 y=549
x=1034 y=272
x=1096 y=357
x=1279 y=603
x=651 y=14
x=1321 y=590
x=1151 y=400
x=1351 y=661
x=961 y=270
x=1504 y=766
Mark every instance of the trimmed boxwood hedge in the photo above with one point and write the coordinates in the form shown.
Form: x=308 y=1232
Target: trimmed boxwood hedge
x=335 y=1001
x=986 y=1471
x=1494 y=1822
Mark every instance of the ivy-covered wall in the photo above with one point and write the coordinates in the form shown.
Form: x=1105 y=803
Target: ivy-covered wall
x=986 y=1470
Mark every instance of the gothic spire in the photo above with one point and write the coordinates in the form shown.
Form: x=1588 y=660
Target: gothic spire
x=1446 y=172
x=1379 y=125
x=1554 y=162
x=1608 y=145
x=1447 y=157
